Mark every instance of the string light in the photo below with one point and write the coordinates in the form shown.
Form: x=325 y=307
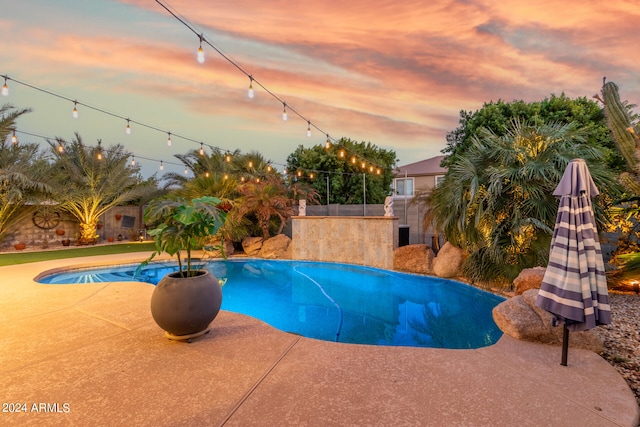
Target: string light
x=269 y=168
x=14 y=138
x=60 y=148
x=5 y=88
x=201 y=150
x=242 y=179
x=284 y=111
x=311 y=175
x=227 y=158
x=226 y=176
x=206 y=174
x=186 y=171
x=299 y=173
x=99 y=149
x=74 y=113
x=363 y=165
x=308 y=129
x=250 y=93
x=258 y=180
x=161 y=165
x=128 y=128
x=341 y=153
x=133 y=160
x=169 y=139
x=250 y=164
x=353 y=160
x=200 y=55
x=327 y=144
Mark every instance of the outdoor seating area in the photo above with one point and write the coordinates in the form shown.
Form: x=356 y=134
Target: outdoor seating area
x=91 y=354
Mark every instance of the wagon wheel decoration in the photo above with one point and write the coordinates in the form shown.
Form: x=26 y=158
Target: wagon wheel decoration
x=46 y=218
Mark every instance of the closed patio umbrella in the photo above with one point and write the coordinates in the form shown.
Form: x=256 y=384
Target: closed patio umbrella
x=574 y=287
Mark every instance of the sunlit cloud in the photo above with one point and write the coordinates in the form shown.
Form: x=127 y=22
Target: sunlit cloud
x=392 y=73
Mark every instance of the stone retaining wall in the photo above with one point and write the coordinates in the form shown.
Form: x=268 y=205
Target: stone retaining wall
x=363 y=240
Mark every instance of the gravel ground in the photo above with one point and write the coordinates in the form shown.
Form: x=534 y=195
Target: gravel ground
x=622 y=338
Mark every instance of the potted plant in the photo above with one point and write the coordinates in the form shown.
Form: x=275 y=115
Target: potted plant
x=185 y=302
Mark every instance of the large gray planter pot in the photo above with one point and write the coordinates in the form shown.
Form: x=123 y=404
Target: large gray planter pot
x=185 y=306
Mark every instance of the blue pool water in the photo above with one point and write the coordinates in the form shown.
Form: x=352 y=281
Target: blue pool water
x=337 y=302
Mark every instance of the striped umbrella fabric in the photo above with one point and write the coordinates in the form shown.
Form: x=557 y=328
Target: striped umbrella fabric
x=574 y=287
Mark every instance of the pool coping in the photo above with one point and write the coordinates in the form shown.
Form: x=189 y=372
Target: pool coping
x=96 y=348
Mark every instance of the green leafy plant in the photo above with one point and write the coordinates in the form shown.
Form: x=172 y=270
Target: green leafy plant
x=183 y=225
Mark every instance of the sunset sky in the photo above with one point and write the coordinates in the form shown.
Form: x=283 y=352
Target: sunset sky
x=393 y=73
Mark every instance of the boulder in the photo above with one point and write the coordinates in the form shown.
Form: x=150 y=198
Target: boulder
x=252 y=245
x=529 y=278
x=448 y=262
x=414 y=259
x=520 y=318
x=277 y=247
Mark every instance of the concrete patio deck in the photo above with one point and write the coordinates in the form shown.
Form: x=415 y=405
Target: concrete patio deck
x=92 y=355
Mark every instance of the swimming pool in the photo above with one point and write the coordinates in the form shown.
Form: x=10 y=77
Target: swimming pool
x=337 y=302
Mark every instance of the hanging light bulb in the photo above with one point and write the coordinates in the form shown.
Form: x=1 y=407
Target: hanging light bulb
x=201 y=150
x=269 y=168
x=378 y=171
x=14 y=138
x=226 y=176
x=227 y=158
x=186 y=171
x=250 y=164
x=308 y=129
x=342 y=153
x=133 y=160
x=242 y=179
x=370 y=168
x=161 y=165
x=299 y=173
x=5 y=88
x=353 y=160
x=284 y=171
x=258 y=180
x=206 y=174
x=200 y=55
x=128 y=128
x=169 y=139
x=60 y=148
x=250 y=93
x=99 y=154
x=363 y=165
x=74 y=113
x=284 y=111
x=327 y=144
x=311 y=175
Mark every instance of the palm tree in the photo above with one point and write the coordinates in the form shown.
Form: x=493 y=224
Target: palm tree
x=496 y=200
x=94 y=179
x=266 y=199
x=23 y=172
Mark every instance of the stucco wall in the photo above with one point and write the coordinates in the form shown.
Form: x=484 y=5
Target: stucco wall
x=363 y=240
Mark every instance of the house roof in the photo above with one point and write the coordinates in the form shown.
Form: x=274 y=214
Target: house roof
x=429 y=166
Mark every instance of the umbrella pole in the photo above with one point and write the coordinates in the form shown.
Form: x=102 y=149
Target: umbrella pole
x=565 y=344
